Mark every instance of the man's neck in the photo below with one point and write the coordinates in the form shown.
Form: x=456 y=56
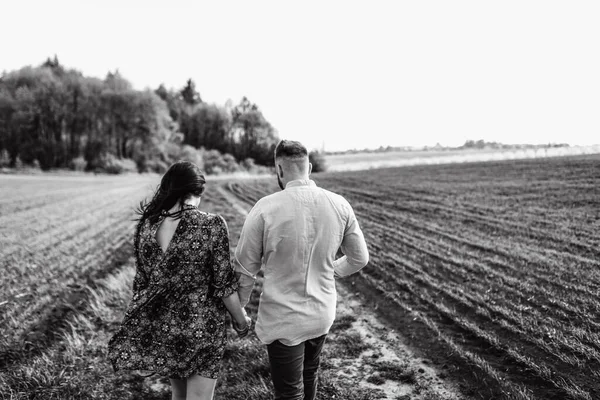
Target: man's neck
x=297 y=178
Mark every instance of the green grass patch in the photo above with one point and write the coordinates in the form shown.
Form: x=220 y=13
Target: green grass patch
x=395 y=372
x=343 y=323
x=376 y=379
x=351 y=345
x=330 y=389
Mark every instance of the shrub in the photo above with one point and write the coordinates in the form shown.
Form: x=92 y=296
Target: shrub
x=155 y=165
x=230 y=163
x=4 y=159
x=171 y=153
x=18 y=163
x=248 y=164
x=213 y=162
x=112 y=165
x=78 y=164
x=318 y=161
x=191 y=154
x=216 y=163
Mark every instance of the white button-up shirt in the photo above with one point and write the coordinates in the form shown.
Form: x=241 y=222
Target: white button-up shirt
x=294 y=236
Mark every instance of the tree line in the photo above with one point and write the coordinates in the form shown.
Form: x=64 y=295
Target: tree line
x=53 y=117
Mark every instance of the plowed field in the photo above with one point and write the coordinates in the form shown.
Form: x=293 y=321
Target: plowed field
x=496 y=264
x=489 y=273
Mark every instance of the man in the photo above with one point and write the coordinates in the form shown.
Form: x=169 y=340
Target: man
x=294 y=235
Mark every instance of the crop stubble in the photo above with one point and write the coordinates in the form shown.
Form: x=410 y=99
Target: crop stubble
x=499 y=262
x=494 y=263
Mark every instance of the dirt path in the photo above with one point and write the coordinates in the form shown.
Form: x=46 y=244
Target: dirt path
x=385 y=362
x=365 y=352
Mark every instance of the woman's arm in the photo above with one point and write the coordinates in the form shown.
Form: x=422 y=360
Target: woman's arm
x=241 y=322
x=224 y=279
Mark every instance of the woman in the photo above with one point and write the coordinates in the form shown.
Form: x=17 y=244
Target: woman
x=184 y=283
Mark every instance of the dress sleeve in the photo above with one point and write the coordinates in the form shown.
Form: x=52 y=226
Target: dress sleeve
x=224 y=279
x=140 y=281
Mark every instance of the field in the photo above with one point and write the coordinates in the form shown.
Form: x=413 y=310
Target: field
x=483 y=283
x=364 y=160
x=67 y=271
x=497 y=263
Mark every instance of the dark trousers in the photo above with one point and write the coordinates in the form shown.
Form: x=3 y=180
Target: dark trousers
x=294 y=368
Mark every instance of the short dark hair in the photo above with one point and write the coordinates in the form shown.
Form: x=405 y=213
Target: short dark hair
x=290 y=149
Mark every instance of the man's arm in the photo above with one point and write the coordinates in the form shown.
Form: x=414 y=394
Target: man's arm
x=248 y=254
x=354 y=247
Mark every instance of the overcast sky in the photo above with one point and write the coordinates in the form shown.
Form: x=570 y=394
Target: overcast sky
x=343 y=74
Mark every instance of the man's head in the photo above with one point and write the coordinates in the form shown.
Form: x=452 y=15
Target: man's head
x=291 y=162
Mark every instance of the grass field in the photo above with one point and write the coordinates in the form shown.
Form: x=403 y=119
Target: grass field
x=489 y=272
x=67 y=271
x=364 y=160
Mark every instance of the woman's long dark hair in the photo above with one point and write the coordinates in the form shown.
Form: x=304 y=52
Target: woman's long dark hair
x=182 y=179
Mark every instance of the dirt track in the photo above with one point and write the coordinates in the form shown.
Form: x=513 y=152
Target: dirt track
x=384 y=348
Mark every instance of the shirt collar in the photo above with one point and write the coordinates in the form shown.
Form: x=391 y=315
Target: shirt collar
x=300 y=182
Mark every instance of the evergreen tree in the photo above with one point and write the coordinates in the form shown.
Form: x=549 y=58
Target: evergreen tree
x=189 y=93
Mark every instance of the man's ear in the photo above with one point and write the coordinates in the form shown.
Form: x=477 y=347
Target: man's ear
x=280 y=171
x=309 y=168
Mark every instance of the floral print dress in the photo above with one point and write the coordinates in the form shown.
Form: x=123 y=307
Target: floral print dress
x=175 y=323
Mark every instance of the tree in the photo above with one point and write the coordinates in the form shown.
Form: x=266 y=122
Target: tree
x=255 y=136
x=37 y=116
x=115 y=81
x=162 y=92
x=7 y=110
x=58 y=118
x=54 y=65
x=189 y=93
x=208 y=126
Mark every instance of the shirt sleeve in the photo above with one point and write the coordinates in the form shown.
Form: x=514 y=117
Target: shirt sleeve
x=249 y=253
x=224 y=281
x=354 y=247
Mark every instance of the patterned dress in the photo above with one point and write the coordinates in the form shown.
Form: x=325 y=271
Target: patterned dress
x=175 y=323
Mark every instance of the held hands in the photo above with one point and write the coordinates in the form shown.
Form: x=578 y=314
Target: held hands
x=242 y=329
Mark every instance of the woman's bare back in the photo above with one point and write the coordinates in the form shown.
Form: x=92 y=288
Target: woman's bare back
x=165 y=232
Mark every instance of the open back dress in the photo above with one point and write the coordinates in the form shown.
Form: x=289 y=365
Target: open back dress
x=175 y=323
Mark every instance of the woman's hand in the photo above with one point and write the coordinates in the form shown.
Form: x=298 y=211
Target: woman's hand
x=242 y=329
x=239 y=319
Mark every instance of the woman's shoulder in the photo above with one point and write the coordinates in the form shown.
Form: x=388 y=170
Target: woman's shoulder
x=210 y=219
x=145 y=226
x=206 y=217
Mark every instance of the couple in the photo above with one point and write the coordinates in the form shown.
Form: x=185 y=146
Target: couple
x=185 y=283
